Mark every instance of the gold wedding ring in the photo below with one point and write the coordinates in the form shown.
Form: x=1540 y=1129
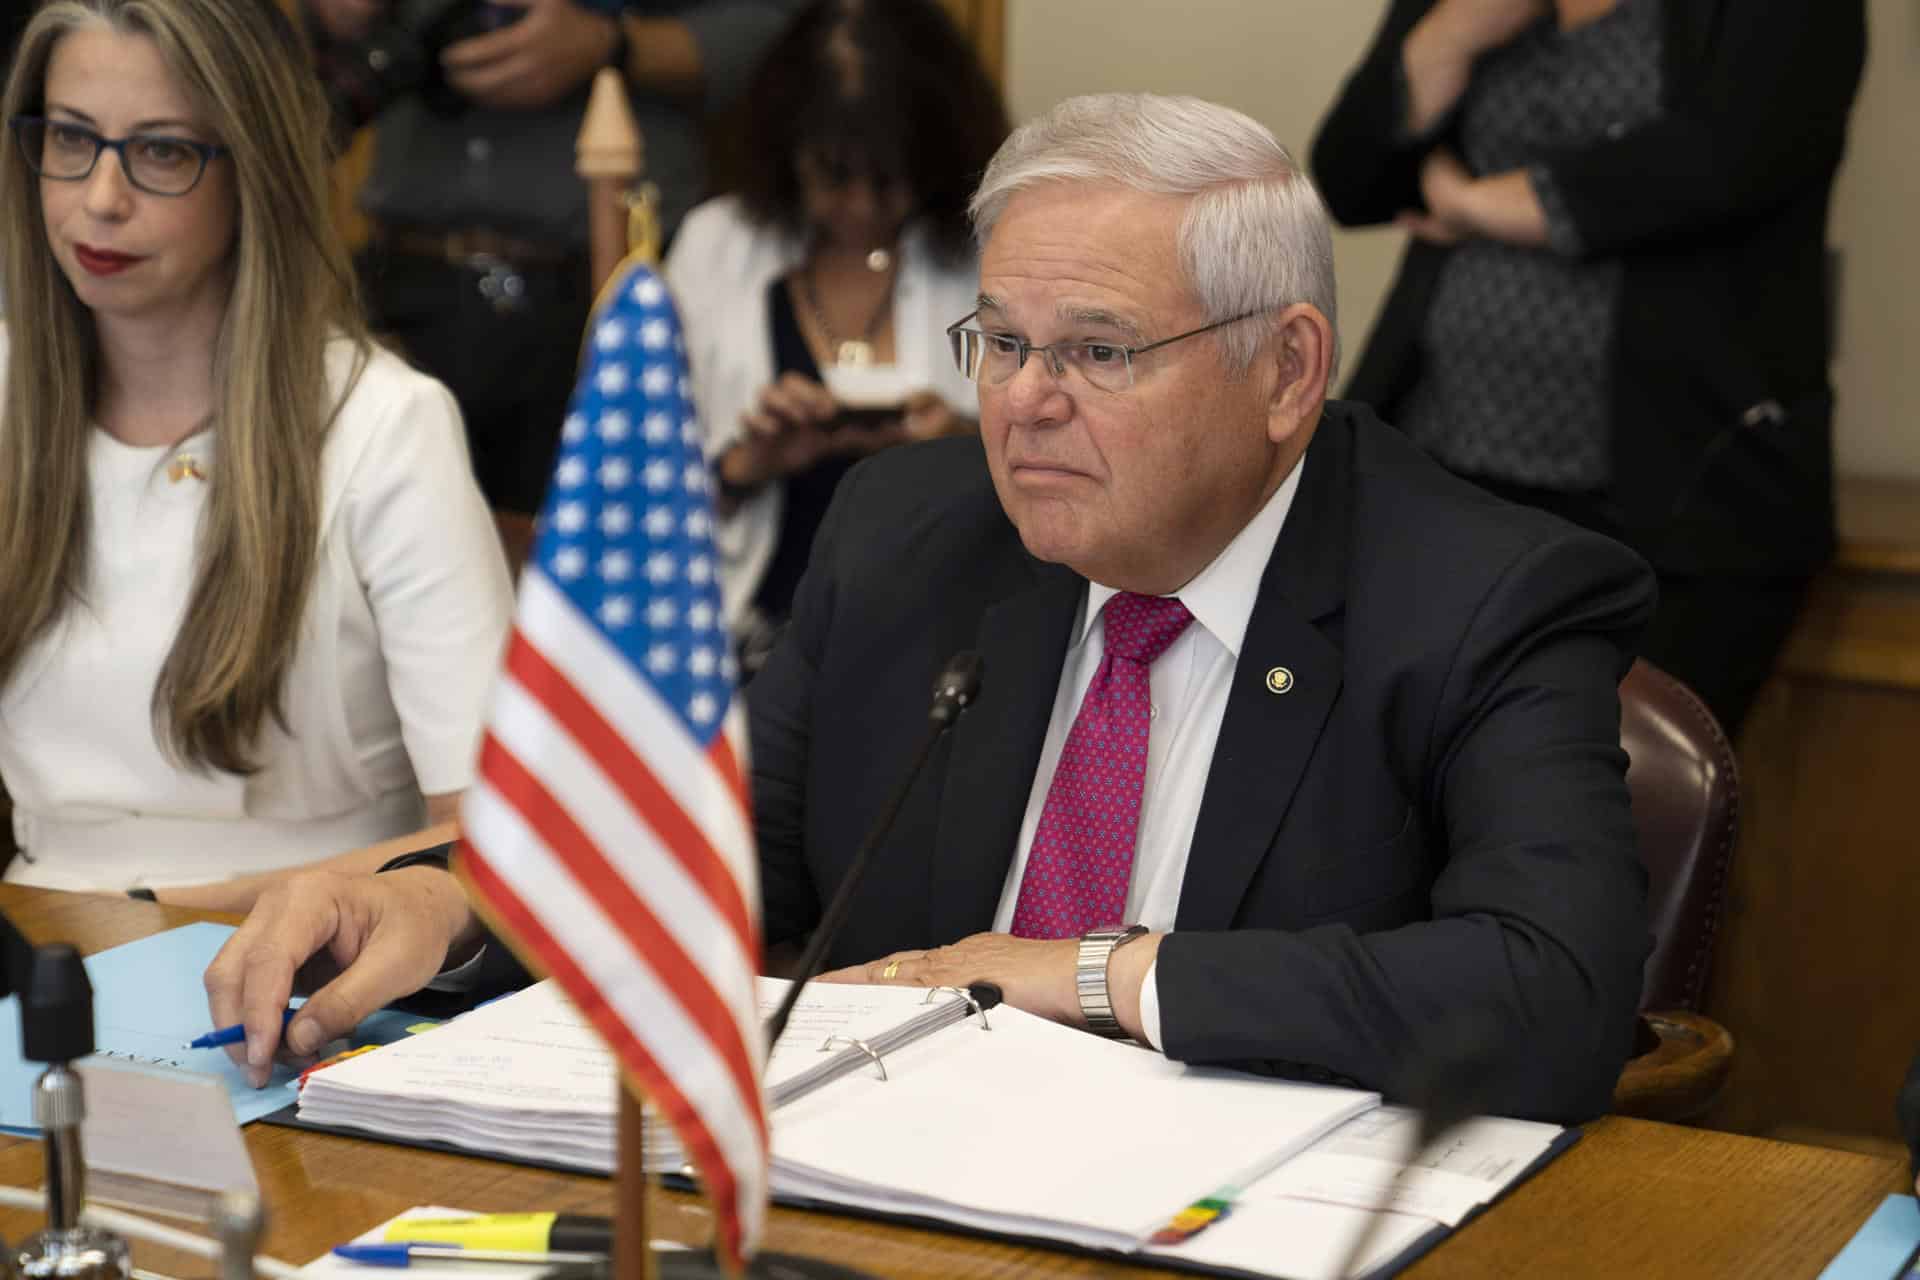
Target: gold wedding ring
x=891 y=971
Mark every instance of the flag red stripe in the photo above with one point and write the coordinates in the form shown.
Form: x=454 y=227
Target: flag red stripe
x=629 y=913
x=628 y=771
x=721 y=754
x=526 y=929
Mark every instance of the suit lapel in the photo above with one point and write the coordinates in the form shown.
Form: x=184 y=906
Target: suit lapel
x=1284 y=685
x=995 y=749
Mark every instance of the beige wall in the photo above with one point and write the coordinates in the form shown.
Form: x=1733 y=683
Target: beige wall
x=1876 y=226
x=1282 y=61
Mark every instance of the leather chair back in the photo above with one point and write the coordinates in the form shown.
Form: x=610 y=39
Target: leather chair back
x=1685 y=787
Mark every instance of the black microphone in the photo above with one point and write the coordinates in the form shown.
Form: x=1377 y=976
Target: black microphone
x=1445 y=1082
x=953 y=692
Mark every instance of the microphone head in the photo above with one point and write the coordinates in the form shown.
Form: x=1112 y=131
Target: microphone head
x=1448 y=1078
x=958 y=686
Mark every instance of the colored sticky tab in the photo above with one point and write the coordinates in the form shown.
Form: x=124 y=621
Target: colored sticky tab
x=1192 y=1220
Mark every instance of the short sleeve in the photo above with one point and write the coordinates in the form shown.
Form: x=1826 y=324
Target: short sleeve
x=430 y=563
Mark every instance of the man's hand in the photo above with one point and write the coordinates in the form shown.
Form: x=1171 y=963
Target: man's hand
x=369 y=938
x=1034 y=975
x=535 y=61
x=346 y=20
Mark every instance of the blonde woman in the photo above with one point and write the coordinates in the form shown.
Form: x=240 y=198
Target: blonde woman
x=253 y=597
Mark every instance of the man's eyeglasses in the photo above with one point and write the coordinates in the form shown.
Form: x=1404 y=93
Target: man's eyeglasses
x=1107 y=366
x=155 y=163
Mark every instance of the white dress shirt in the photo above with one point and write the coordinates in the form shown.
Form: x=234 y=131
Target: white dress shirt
x=1189 y=685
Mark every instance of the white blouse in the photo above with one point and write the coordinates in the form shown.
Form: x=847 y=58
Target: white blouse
x=403 y=630
x=719 y=272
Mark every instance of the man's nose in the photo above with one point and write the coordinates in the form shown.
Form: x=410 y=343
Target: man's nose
x=1036 y=393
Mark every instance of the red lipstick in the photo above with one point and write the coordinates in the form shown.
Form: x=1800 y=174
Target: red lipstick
x=103 y=262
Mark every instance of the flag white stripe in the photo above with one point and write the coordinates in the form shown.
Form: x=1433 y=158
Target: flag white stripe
x=550 y=623
x=579 y=784
x=632 y=990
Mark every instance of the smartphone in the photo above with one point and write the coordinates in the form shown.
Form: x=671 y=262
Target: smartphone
x=868 y=417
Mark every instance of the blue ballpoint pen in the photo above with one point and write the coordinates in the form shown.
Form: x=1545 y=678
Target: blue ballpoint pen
x=231 y=1035
x=402 y=1255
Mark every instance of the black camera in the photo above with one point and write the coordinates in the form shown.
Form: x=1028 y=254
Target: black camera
x=401 y=56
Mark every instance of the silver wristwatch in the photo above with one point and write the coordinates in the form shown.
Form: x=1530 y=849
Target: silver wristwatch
x=1090 y=976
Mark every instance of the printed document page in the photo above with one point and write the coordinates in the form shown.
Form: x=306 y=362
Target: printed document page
x=526 y=1075
x=1038 y=1129
x=1300 y=1220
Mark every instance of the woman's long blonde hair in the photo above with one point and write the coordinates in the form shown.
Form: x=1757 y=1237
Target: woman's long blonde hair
x=244 y=64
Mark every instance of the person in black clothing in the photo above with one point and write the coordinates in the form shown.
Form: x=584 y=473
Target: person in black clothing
x=1614 y=304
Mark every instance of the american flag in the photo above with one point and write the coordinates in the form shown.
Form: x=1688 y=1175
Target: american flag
x=609 y=834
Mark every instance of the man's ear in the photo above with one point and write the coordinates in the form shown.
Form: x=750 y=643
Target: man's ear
x=1301 y=350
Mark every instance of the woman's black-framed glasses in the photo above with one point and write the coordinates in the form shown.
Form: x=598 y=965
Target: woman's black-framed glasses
x=1107 y=366
x=156 y=163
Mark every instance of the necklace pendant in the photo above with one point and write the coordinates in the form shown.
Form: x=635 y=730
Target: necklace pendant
x=183 y=466
x=854 y=352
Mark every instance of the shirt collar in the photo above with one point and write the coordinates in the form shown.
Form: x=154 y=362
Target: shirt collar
x=1220 y=597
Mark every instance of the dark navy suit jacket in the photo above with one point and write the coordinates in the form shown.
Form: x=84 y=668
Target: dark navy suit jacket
x=1428 y=831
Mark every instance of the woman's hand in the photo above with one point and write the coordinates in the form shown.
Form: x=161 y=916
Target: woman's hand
x=1476 y=26
x=928 y=417
x=1440 y=51
x=346 y=20
x=1444 y=183
x=787 y=431
x=1503 y=207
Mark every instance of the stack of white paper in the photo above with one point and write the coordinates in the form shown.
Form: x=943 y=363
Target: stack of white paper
x=1028 y=1129
x=526 y=1075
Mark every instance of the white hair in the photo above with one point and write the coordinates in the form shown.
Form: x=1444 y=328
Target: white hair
x=1256 y=236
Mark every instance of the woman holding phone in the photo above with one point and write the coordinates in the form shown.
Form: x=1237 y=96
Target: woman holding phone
x=816 y=298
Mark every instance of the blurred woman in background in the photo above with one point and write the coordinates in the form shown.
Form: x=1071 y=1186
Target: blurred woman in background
x=816 y=298
x=1615 y=303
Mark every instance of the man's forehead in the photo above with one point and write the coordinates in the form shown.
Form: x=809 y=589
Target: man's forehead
x=1084 y=252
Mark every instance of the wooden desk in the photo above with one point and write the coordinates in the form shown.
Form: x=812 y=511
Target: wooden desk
x=1633 y=1198
x=1814 y=967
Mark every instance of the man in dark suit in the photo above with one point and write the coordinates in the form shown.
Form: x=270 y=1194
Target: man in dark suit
x=1334 y=736
x=1382 y=796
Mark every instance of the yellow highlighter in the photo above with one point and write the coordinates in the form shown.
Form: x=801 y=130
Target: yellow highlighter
x=519 y=1232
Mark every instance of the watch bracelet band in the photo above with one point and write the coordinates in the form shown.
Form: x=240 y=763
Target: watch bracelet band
x=1090 y=977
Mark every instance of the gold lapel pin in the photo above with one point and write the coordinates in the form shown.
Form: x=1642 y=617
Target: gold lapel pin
x=1279 y=680
x=185 y=465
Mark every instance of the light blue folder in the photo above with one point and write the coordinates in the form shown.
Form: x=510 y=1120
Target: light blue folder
x=148 y=1001
x=1883 y=1248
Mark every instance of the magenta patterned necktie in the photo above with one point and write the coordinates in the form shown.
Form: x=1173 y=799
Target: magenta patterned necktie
x=1082 y=857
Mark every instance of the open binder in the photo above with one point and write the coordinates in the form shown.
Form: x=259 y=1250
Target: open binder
x=907 y=1104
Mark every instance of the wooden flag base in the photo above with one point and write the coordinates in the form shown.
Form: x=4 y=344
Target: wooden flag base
x=634 y=1258
x=701 y=1264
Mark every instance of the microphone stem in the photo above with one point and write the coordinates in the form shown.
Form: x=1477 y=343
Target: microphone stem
x=813 y=959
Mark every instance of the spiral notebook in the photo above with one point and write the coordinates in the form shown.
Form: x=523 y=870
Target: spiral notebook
x=1005 y=1124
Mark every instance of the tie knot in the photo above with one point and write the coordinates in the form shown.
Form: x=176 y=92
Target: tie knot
x=1141 y=627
